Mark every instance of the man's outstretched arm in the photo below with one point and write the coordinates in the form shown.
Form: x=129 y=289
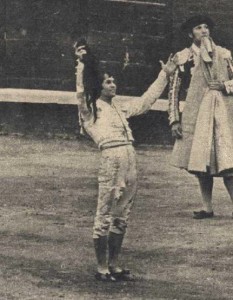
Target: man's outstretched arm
x=144 y=103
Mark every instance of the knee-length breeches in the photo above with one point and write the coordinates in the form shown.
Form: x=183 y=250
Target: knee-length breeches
x=117 y=190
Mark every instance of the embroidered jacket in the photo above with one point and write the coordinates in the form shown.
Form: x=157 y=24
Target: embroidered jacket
x=179 y=83
x=111 y=127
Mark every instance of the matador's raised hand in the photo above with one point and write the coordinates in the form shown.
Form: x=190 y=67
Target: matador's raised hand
x=170 y=65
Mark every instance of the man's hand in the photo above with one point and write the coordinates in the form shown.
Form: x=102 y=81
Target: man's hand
x=170 y=65
x=216 y=85
x=80 y=52
x=177 y=130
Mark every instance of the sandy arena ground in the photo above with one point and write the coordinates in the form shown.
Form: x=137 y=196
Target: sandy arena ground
x=48 y=199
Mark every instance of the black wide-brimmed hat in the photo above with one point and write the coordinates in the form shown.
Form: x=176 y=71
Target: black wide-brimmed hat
x=194 y=21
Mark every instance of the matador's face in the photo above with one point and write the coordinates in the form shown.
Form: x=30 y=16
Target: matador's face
x=199 y=32
x=108 y=87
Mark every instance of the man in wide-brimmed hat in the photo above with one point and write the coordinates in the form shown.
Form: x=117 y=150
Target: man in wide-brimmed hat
x=204 y=136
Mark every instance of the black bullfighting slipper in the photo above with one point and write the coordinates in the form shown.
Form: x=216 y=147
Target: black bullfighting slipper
x=123 y=275
x=105 y=277
x=202 y=214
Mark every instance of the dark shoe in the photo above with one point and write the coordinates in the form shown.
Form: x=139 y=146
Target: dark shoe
x=202 y=214
x=105 y=277
x=123 y=275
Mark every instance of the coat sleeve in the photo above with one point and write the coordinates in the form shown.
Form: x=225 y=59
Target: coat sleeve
x=228 y=84
x=173 y=96
x=229 y=87
x=138 y=106
x=174 y=85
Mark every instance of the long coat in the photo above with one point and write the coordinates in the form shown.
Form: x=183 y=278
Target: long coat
x=207 y=119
